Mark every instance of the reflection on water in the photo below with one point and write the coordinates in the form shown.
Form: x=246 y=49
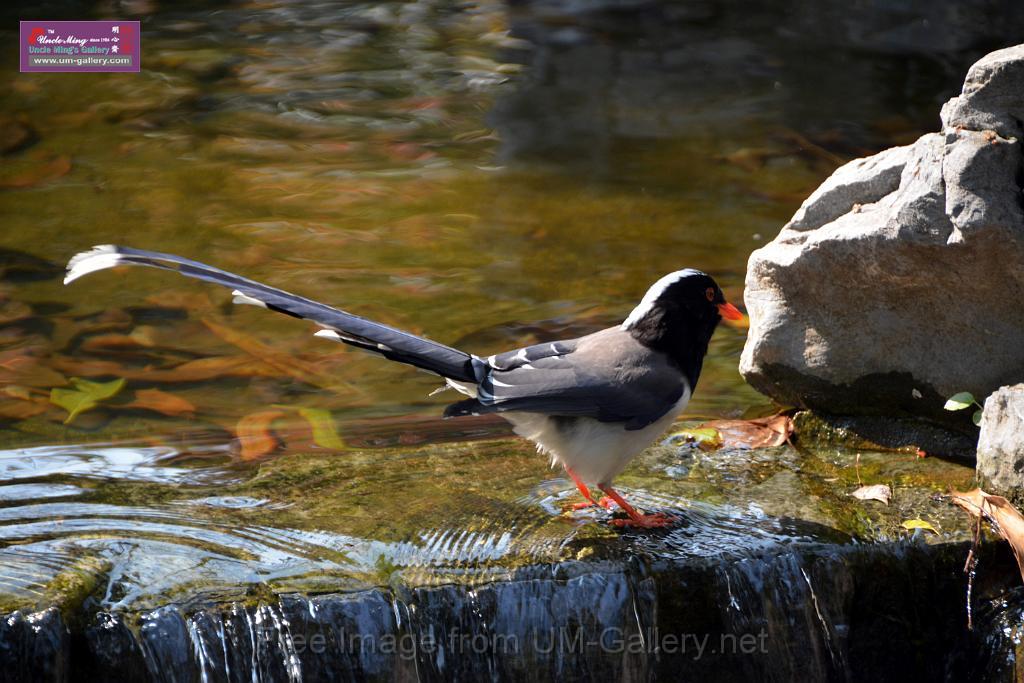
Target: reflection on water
x=486 y=174
x=76 y=461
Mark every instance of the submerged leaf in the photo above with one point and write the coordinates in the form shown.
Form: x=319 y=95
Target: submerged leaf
x=762 y=432
x=84 y=395
x=16 y=391
x=964 y=399
x=1001 y=514
x=255 y=436
x=23 y=367
x=976 y=418
x=26 y=405
x=20 y=409
x=114 y=341
x=879 y=492
x=161 y=402
x=294 y=367
x=322 y=424
x=197 y=370
x=41 y=171
x=912 y=524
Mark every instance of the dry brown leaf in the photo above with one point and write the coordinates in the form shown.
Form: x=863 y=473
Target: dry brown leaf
x=759 y=433
x=1005 y=518
x=28 y=370
x=255 y=437
x=879 y=492
x=161 y=402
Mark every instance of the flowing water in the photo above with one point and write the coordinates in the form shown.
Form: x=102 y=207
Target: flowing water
x=487 y=175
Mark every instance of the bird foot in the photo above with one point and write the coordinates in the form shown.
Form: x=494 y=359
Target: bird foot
x=657 y=520
x=605 y=502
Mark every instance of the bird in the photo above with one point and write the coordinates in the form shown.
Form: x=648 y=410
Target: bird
x=591 y=404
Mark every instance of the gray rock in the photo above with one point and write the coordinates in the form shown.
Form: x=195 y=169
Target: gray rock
x=991 y=98
x=862 y=181
x=900 y=281
x=1001 y=443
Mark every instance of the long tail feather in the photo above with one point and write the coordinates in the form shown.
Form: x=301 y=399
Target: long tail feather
x=390 y=342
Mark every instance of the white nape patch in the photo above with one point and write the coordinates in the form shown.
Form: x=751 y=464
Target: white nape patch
x=99 y=257
x=654 y=293
x=240 y=298
x=383 y=347
x=328 y=334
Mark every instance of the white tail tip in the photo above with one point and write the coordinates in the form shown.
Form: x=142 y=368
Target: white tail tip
x=98 y=258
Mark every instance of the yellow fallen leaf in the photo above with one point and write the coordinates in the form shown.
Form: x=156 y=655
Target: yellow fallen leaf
x=322 y=424
x=912 y=524
x=84 y=396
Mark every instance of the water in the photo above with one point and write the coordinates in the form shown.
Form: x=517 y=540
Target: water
x=486 y=175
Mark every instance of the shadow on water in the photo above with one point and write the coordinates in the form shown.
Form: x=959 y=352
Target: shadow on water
x=489 y=174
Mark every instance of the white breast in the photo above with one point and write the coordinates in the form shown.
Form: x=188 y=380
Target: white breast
x=596 y=451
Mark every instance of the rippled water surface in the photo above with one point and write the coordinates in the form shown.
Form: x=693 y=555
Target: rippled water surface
x=486 y=176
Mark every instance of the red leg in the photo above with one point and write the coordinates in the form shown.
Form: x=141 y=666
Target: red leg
x=652 y=521
x=604 y=502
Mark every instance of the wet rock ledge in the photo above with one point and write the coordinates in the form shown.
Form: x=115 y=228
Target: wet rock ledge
x=813 y=613
x=773 y=572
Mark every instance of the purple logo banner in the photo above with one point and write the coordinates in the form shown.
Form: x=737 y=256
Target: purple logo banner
x=79 y=46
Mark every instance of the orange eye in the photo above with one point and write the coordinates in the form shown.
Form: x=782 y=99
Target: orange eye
x=710 y=293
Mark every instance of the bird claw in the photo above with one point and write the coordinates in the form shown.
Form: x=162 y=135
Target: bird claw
x=604 y=502
x=657 y=520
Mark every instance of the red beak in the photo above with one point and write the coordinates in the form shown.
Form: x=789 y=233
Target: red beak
x=730 y=312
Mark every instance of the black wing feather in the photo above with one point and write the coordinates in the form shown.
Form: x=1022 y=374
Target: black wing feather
x=388 y=341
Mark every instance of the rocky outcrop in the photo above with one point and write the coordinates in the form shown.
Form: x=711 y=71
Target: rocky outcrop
x=1001 y=443
x=900 y=281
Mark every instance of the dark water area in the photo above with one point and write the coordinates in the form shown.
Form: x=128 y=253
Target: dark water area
x=488 y=174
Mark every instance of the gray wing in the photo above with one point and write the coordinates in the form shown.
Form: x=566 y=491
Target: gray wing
x=608 y=376
x=531 y=354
